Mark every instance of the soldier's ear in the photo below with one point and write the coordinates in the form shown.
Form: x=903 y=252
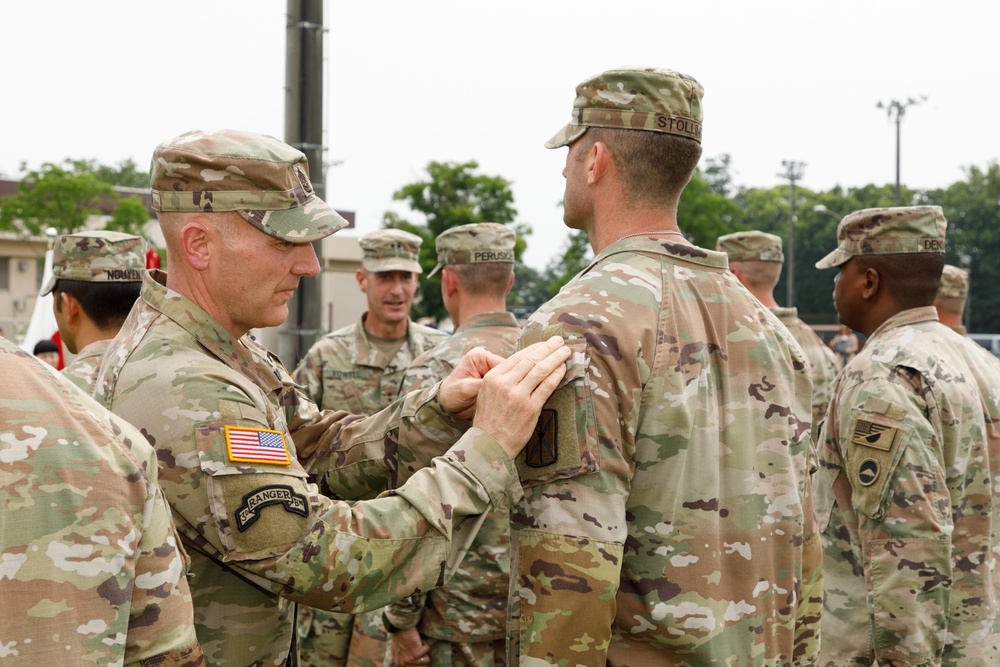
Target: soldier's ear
x=871 y=283
x=195 y=246
x=71 y=307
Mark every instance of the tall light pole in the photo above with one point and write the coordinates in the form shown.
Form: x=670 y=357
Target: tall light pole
x=793 y=172
x=899 y=109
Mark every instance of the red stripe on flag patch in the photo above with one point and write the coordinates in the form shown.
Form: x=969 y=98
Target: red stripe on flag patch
x=256 y=445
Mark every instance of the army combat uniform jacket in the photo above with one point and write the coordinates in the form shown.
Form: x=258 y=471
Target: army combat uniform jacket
x=82 y=371
x=91 y=571
x=907 y=501
x=230 y=428
x=823 y=365
x=344 y=371
x=667 y=517
x=472 y=605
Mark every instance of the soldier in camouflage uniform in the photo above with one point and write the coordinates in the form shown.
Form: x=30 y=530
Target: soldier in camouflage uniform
x=906 y=491
x=950 y=299
x=667 y=517
x=91 y=572
x=463 y=622
x=95 y=281
x=755 y=258
x=358 y=369
x=232 y=431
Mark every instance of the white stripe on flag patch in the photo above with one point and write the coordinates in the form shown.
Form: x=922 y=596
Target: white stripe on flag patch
x=255 y=445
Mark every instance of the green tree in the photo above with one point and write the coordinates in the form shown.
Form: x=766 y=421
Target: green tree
x=130 y=216
x=453 y=194
x=974 y=239
x=126 y=174
x=65 y=195
x=705 y=214
x=60 y=196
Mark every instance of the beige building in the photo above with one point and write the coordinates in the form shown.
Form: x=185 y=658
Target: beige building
x=20 y=280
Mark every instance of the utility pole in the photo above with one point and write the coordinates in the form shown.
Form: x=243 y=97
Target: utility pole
x=899 y=109
x=304 y=62
x=793 y=172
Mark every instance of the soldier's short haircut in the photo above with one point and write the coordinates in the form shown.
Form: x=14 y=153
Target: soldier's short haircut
x=912 y=279
x=106 y=304
x=654 y=167
x=489 y=279
x=759 y=276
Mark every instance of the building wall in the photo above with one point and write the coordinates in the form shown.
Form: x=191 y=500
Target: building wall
x=20 y=280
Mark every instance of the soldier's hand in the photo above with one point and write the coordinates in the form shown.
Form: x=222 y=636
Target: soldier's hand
x=459 y=390
x=408 y=648
x=515 y=390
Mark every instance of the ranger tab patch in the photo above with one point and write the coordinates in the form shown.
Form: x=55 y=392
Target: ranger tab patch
x=256 y=445
x=273 y=494
x=543 y=445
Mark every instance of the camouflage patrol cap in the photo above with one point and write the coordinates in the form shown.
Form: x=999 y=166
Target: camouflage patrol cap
x=888 y=231
x=97 y=257
x=474 y=244
x=263 y=179
x=954 y=282
x=751 y=247
x=635 y=98
x=391 y=250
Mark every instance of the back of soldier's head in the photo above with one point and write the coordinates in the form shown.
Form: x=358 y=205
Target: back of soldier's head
x=650 y=119
x=481 y=256
x=756 y=255
x=953 y=290
x=904 y=244
x=102 y=270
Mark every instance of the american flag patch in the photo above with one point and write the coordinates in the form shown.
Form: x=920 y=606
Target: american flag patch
x=256 y=445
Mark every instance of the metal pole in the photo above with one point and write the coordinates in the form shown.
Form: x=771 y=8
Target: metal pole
x=899 y=108
x=793 y=172
x=899 y=115
x=304 y=131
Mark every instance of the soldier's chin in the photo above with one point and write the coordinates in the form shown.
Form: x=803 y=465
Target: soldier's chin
x=275 y=318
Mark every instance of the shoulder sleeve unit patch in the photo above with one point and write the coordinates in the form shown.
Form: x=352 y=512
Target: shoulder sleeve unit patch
x=256 y=445
x=874 y=451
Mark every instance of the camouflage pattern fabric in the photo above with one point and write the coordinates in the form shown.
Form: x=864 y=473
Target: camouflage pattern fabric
x=649 y=99
x=344 y=371
x=263 y=179
x=391 y=250
x=823 y=363
x=230 y=428
x=496 y=332
x=91 y=570
x=82 y=371
x=478 y=654
x=954 y=282
x=906 y=496
x=667 y=517
x=888 y=231
x=470 y=610
x=99 y=256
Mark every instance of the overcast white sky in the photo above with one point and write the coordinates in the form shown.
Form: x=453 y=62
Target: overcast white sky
x=412 y=81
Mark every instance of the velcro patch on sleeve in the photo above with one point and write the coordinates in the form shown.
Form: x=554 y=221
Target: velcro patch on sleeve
x=272 y=494
x=874 y=449
x=873 y=434
x=558 y=447
x=256 y=445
